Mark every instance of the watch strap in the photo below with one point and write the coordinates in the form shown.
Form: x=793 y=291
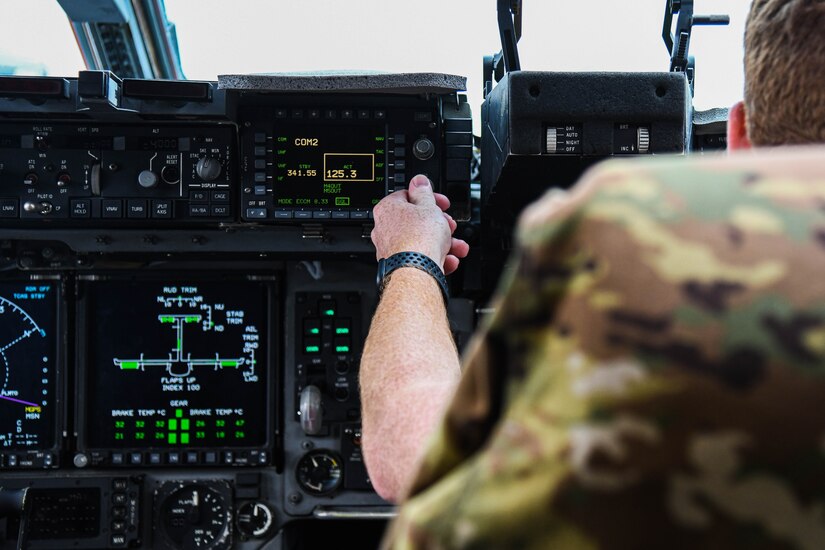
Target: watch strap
x=416 y=260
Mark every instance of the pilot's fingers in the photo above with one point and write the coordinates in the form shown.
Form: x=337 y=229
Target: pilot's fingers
x=442 y=201
x=459 y=248
x=450 y=264
x=451 y=222
x=400 y=195
x=421 y=192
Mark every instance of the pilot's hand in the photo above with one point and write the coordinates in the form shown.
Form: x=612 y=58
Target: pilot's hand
x=415 y=220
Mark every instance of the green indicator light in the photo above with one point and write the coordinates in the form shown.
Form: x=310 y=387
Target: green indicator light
x=184 y=424
x=342 y=331
x=313 y=349
x=178 y=413
x=342 y=201
x=173 y=424
x=129 y=365
x=173 y=439
x=192 y=319
x=184 y=439
x=329 y=312
x=178 y=344
x=315 y=331
x=342 y=349
x=167 y=319
x=229 y=363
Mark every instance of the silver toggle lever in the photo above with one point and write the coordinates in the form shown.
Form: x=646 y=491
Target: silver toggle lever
x=310 y=407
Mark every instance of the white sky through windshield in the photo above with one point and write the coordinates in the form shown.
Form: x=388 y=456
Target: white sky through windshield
x=451 y=36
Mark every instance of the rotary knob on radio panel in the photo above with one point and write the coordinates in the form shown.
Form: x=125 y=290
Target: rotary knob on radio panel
x=423 y=149
x=208 y=168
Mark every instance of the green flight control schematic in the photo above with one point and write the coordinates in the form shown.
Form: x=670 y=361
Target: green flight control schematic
x=180 y=363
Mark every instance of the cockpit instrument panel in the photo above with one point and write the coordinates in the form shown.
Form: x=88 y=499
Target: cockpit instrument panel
x=29 y=360
x=177 y=371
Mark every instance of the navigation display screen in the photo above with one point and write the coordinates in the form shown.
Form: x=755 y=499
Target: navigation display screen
x=28 y=358
x=329 y=167
x=176 y=364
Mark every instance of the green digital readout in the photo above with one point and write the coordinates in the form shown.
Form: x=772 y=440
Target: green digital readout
x=188 y=427
x=329 y=168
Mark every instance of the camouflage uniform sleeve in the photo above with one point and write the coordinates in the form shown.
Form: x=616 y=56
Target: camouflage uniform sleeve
x=632 y=388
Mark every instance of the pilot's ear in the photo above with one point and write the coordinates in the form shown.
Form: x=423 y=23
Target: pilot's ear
x=737 y=128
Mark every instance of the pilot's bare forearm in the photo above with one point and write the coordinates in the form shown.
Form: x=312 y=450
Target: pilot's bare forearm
x=409 y=371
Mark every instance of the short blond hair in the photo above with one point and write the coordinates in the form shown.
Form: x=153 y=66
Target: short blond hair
x=785 y=72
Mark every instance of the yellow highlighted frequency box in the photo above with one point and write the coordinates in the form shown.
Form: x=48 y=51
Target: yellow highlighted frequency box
x=334 y=169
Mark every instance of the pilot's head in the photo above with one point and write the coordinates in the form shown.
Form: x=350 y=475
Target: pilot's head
x=784 y=76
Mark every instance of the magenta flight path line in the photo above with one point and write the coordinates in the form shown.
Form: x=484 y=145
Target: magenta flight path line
x=18 y=401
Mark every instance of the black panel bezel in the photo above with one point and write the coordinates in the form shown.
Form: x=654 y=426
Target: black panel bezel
x=100 y=456
x=47 y=456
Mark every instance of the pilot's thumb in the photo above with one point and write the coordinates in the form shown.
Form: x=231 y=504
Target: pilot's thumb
x=421 y=191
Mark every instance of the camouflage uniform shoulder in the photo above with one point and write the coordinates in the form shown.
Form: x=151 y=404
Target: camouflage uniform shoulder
x=653 y=374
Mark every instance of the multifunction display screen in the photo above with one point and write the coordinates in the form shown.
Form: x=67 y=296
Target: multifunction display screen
x=28 y=349
x=176 y=364
x=329 y=167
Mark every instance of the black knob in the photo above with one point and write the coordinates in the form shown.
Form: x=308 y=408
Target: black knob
x=423 y=149
x=208 y=168
x=147 y=179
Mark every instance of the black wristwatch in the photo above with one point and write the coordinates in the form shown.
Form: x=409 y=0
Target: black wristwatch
x=411 y=259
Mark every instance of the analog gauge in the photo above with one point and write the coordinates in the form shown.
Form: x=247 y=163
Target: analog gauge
x=254 y=520
x=196 y=516
x=319 y=472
